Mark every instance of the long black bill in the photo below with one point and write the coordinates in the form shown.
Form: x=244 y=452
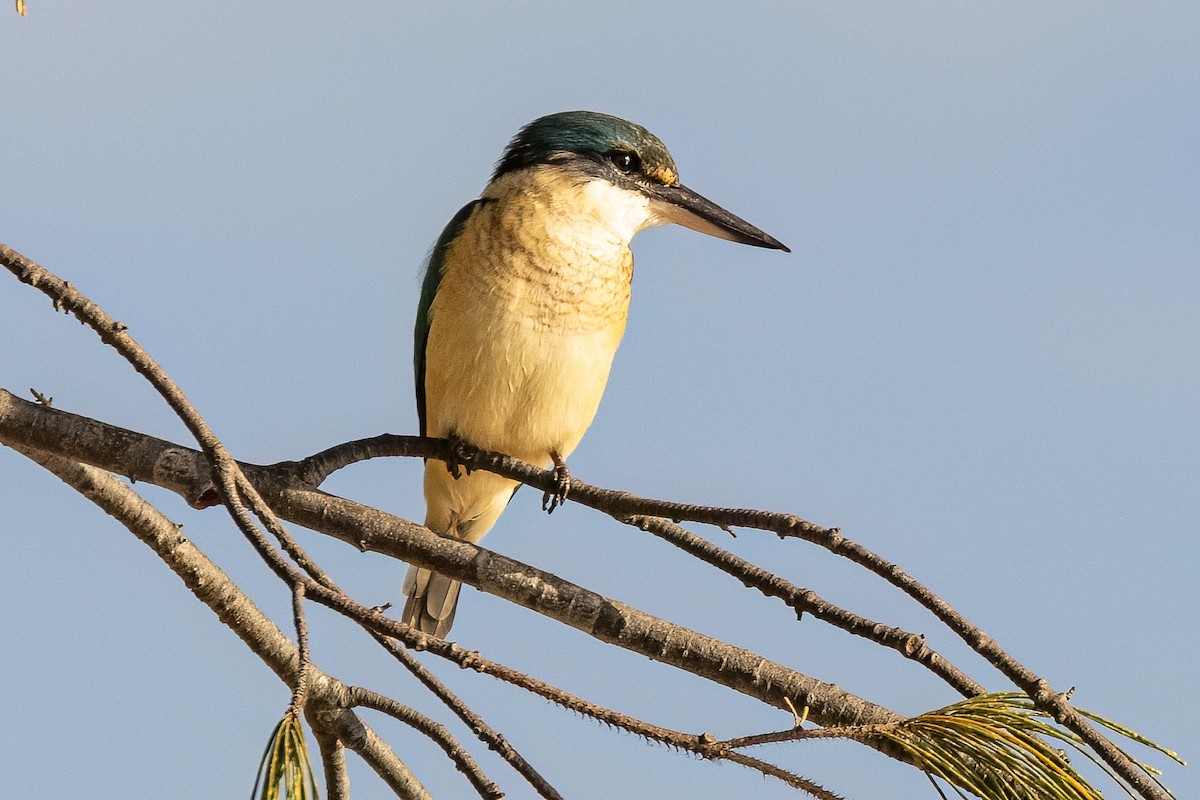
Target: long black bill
x=682 y=206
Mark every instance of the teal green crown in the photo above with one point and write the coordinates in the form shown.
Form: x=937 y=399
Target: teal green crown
x=578 y=137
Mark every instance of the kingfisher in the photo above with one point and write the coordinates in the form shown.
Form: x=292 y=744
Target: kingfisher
x=523 y=304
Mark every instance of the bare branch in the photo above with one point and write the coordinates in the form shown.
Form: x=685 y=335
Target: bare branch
x=300 y=692
x=433 y=730
x=327 y=717
x=333 y=763
x=910 y=645
x=486 y=733
x=622 y=505
x=703 y=744
x=378 y=754
x=319 y=466
x=367 y=528
x=602 y=618
x=212 y=586
x=367 y=745
x=377 y=531
x=790 y=778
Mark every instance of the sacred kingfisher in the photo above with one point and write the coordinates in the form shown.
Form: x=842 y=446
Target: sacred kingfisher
x=523 y=304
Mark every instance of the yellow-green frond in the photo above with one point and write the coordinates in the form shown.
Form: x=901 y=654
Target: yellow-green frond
x=286 y=769
x=1133 y=736
x=998 y=747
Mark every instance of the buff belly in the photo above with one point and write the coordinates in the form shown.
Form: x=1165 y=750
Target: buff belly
x=508 y=385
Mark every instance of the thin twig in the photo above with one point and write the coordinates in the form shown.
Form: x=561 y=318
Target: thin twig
x=300 y=692
x=379 y=755
x=909 y=645
x=476 y=723
x=855 y=732
x=703 y=745
x=116 y=334
x=435 y=731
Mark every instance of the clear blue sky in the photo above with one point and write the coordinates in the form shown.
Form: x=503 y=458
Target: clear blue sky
x=980 y=359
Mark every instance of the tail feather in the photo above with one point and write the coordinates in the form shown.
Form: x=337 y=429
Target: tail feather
x=432 y=600
x=459 y=508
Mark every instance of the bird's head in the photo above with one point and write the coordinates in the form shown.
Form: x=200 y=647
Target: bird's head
x=591 y=147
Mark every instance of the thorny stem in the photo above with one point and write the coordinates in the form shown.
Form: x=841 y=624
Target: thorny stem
x=488 y=735
x=299 y=694
x=433 y=730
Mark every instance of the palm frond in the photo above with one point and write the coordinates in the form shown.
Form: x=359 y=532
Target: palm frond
x=286 y=768
x=998 y=747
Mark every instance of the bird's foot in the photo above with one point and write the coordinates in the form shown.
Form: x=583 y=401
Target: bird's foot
x=460 y=451
x=562 y=485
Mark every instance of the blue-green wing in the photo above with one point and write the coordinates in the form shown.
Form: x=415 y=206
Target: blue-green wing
x=433 y=276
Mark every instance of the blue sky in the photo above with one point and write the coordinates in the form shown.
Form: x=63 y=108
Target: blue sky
x=980 y=358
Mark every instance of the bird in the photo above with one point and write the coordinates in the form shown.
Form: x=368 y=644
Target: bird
x=523 y=303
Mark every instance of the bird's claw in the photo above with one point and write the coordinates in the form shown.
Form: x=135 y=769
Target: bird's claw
x=459 y=452
x=562 y=485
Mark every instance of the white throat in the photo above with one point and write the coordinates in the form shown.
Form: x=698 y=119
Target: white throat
x=590 y=211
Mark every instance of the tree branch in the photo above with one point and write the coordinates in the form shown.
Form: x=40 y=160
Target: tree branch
x=488 y=735
x=320 y=593
x=378 y=754
x=212 y=586
x=333 y=761
x=623 y=505
x=369 y=529
x=434 y=731
x=602 y=618
x=909 y=645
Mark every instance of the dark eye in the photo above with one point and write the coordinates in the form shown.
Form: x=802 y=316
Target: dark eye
x=625 y=161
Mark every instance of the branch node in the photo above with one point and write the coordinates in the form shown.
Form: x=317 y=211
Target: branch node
x=60 y=301
x=834 y=535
